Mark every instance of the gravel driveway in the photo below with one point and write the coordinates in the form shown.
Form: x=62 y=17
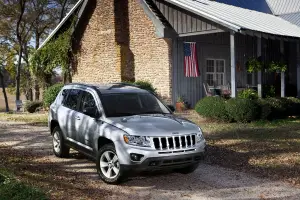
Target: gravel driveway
x=27 y=151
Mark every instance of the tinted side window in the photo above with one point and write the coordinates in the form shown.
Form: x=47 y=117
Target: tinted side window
x=87 y=101
x=72 y=99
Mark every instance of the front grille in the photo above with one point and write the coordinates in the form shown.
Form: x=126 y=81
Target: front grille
x=175 y=142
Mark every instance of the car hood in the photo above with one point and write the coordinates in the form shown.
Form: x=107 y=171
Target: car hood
x=154 y=125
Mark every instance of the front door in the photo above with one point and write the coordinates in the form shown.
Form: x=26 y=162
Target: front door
x=89 y=126
x=68 y=114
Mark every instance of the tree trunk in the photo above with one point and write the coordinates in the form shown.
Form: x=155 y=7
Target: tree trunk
x=4 y=92
x=18 y=74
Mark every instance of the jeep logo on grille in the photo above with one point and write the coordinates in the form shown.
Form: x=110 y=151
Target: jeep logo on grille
x=175 y=133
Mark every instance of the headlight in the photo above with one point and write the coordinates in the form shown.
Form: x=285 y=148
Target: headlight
x=199 y=136
x=142 y=141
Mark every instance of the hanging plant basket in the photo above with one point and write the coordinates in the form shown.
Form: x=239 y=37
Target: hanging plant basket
x=253 y=65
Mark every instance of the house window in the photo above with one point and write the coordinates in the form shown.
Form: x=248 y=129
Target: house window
x=215 y=72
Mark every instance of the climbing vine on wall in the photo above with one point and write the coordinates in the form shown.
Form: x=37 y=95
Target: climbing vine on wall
x=55 y=53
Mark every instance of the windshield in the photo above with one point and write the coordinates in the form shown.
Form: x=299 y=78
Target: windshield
x=127 y=104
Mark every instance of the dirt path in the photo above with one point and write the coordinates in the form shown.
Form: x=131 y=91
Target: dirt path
x=26 y=150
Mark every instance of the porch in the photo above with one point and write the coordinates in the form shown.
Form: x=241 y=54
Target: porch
x=216 y=68
x=226 y=37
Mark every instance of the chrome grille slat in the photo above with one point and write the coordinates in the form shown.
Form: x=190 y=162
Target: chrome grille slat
x=174 y=142
x=168 y=145
x=161 y=147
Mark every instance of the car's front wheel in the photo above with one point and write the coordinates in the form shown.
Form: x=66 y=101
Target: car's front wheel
x=108 y=166
x=59 y=147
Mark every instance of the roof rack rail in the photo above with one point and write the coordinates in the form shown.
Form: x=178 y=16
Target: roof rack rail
x=115 y=85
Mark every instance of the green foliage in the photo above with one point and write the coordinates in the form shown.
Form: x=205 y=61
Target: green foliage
x=242 y=110
x=11 y=189
x=265 y=109
x=253 y=65
x=269 y=91
x=248 y=94
x=146 y=85
x=213 y=108
x=278 y=108
x=277 y=67
x=31 y=106
x=55 y=53
x=51 y=93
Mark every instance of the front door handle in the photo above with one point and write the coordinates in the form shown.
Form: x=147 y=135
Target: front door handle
x=77 y=118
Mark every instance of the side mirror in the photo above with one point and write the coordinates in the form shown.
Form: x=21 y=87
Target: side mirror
x=171 y=108
x=92 y=112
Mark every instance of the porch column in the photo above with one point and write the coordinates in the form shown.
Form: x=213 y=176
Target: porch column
x=232 y=59
x=259 y=74
x=298 y=69
x=282 y=73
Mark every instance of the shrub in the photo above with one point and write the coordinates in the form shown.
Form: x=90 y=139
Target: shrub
x=146 y=85
x=213 y=108
x=269 y=91
x=51 y=93
x=242 y=110
x=278 y=107
x=292 y=106
x=31 y=106
x=265 y=109
x=248 y=94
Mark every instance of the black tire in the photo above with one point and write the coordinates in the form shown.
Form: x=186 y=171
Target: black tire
x=187 y=170
x=63 y=151
x=110 y=148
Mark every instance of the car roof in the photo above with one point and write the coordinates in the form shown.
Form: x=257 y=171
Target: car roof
x=111 y=87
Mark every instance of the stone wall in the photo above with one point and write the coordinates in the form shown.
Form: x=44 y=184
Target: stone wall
x=119 y=43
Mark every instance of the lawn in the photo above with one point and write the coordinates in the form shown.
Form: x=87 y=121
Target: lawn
x=34 y=119
x=11 y=101
x=13 y=189
x=269 y=149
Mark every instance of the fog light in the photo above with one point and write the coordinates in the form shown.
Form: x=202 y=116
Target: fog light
x=136 y=157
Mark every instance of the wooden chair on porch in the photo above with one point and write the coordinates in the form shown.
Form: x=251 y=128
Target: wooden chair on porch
x=209 y=92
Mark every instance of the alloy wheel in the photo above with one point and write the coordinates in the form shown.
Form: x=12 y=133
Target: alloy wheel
x=109 y=164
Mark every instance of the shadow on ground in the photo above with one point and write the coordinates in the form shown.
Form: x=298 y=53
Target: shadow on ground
x=27 y=151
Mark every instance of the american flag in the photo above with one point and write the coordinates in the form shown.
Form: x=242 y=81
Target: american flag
x=191 y=67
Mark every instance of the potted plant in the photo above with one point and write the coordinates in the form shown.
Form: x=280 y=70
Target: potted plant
x=180 y=105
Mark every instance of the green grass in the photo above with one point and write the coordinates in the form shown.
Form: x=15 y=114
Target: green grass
x=12 y=189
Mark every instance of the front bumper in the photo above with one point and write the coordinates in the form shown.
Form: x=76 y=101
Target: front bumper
x=166 y=162
x=159 y=159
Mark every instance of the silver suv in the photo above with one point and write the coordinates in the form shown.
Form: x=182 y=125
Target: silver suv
x=124 y=128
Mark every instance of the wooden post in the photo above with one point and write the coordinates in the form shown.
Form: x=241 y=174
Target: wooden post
x=282 y=73
x=298 y=69
x=232 y=59
x=259 y=73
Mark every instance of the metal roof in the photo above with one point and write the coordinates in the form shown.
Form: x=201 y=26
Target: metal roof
x=239 y=19
x=293 y=18
x=280 y=7
x=61 y=23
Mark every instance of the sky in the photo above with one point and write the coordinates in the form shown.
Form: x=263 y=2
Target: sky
x=258 y=5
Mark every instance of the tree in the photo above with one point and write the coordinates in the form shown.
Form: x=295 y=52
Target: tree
x=4 y=56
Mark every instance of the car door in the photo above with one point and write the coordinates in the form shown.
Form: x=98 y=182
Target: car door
x=89 y=125
x=68 y=114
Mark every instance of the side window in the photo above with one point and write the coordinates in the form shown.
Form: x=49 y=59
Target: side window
x=87 y=102
x=72 y=99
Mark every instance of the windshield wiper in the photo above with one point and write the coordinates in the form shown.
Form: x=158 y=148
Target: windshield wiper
x=153 y=112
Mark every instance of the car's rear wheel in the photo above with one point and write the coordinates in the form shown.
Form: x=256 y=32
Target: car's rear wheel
x=108 y=166
x=59 y=147
x=187 y=170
